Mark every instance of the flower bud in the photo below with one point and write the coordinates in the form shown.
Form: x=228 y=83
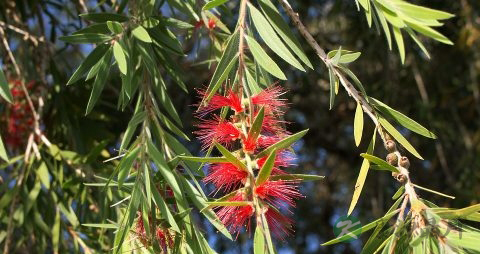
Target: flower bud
x=404 y=162
x=392 y=159
x=391 y=146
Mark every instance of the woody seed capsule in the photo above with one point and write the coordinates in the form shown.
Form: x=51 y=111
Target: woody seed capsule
x=404 y=162
x=392 y=159
x=391 y=146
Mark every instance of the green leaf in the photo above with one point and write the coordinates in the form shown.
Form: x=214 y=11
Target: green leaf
x=263 y=59
x=56 y=232
x=223 y=67
x=358 y=124
x=333 y=82
x=213 y=4
x=140 y=33
x=284 y=143
x=402 y=119
x=458 y=213
x=256 y=128
x=336 y=57
x=300 y=177
x=230 y=157
x=432 y=191
x=137 y=118
x=429 y=32
x=43 y=175
x=163 y=207
x=282 y=29
x=3 y=152
x=379 y=162
x=271 y=38
x=69 y=214
x=419 y=43
x=204 y=159
x=349 y=57
x=421 y=12
x=266 y=169
x=228 y=203
x=164 y=170
x=115 y=27
x=99 y=81
x=120 y=58
x=104 y=17
x=126 y=165
x=399 y=192
x=259 y=241
x=4 y=89
x=362 y=175
x=362 y=229
x=399 y=39
x=397 y=136
x=100 y=225
x=86 y=38
x=100 y=28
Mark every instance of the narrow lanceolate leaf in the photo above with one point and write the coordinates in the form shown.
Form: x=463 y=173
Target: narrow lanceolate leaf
x=358 y=124
x=284 y=143
x=259 y=241
x=362 y=229
x=271 y=38
x=228 y=203
x=263 y=59
x=104 y=17
x=402 y=119
x=86 y=38
x=204 y=159
x=56 y=232
x=228 y=55
x=256 y=128
x=421 y=12
x=397 y=33
x=379 y=162
x=213 y=4
x=89 y=62
x=282 y=28
x=3 y=152
x=458 y=213
x=137 y=118
x=429 y=32
x=99 y=81
x=266 y=169
x=333 y=81
x=100 y=225
x=4 y=89
x=297 y=177
x=126 y=165
x=397 y=136
x=120 y=58
x=399 y=192
x=141 y=33
x=362 y=175
x=163 y=207
x=230 y=157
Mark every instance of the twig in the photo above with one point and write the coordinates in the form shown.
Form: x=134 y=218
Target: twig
x=26 y=35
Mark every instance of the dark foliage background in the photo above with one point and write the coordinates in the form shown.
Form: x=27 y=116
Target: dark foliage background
x=442 y=93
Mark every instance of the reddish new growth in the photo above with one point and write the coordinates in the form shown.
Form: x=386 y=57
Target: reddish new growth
x=210 y=25
x=162 y=235
x=233 y=132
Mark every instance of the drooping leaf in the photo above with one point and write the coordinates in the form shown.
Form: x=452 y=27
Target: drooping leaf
x=271 y=38
x=120 y=57
x=362 y=175
x=4 y=89
x=399 y=39
x=263 y=59
x=259 y=241
x=100 y=80
x=333 y=82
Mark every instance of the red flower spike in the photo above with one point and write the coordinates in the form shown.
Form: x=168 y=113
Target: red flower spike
x=282 y=159
x=269 y=98
x=266 y=141
x=218 y=101
x=140 y=230
x=198 y=24
x=212 y=23
x=164 y=239
x=223 y=132
x=249 y=144
x=279 y=192
x=235 y=217
x=273 y=125
x=225 y=176
x=280 y=225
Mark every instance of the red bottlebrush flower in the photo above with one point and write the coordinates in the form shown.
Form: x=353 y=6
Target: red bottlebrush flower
x=140 y=231
x=273 y=125
x=223 y=132
x=249 y=144
x=269 y=98
x=280 y=225
x=212 y=23
x=266 y=141
x=225 y=176
x=198 y=24
x=235 y=217
x=164 y=239
x=218 y=101
x=279 y=192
